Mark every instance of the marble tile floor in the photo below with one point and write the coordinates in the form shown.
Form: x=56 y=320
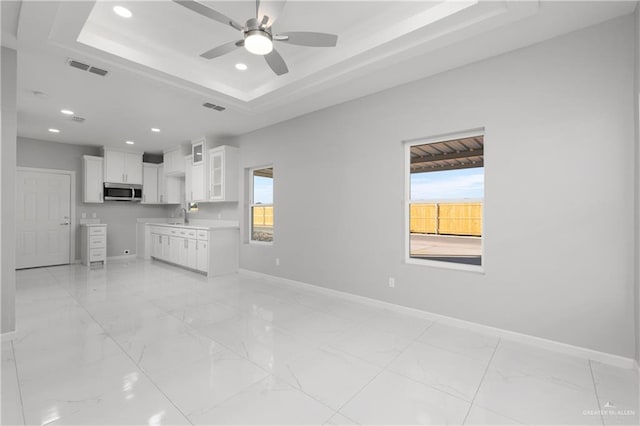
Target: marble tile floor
x=147 y=343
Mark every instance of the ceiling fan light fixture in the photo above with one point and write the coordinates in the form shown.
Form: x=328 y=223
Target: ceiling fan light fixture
x=258 y=42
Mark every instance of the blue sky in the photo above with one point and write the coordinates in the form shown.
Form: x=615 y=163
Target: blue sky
x=262 y=190
x=448 y=185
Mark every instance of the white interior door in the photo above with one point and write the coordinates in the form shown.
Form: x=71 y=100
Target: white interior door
x=43 y=219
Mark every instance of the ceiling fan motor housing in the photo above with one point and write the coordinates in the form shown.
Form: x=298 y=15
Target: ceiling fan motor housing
x=257 y=40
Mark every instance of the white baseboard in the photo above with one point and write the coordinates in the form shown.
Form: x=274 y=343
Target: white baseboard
x=122 y=257
x=552 y=345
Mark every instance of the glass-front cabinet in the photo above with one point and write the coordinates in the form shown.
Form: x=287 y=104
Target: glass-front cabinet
x=197 y=151
x=222 y=167
x=216 y=160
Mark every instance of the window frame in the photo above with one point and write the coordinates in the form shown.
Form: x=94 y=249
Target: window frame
x=251 y=205
x=407 y=203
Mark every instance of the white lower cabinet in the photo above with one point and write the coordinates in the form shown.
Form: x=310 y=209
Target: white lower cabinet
x=165 y=247
x=176 y=248
x=181 y=246
x=211 y=252
x=93 y=239
x=192 y=255
x=202 y=256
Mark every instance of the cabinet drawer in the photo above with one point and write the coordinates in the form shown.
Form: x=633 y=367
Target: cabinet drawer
x=190 y=233
x=97 y=254
x=203 y=235
x=161 y=230
x=97 y=241
x=97 y=230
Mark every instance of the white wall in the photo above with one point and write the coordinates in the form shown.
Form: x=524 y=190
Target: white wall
x=119 y=216
x=7 y=178
x=559 y=245
x=636 y=178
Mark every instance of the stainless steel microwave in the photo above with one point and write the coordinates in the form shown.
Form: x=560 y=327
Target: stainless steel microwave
x=122 y=192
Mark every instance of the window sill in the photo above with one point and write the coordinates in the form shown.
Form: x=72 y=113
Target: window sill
x=479 y=269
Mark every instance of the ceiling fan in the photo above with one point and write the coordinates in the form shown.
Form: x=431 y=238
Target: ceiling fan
x=258 y=36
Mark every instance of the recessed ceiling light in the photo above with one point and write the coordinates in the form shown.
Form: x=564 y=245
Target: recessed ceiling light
x=240 y=66
x=66 y=111
x=54 y=130
x=122 y=11
x=155 y=129
x=129 y=142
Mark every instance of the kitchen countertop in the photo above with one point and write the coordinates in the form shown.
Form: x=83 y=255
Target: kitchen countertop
x=207 y=226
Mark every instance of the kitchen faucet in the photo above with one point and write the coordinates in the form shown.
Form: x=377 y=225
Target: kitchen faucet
x=186 y=219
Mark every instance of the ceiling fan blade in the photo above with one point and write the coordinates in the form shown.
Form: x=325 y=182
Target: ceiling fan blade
x=222 y=49
x=209 y=13
x=276 y=62
x=268 y=11
x=304 y=38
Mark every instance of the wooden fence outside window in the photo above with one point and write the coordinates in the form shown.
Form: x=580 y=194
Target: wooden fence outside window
x=446 y=218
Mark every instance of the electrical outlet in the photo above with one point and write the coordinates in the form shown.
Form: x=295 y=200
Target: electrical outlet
x=277 y=261
x=126 y=251
x=392 y=282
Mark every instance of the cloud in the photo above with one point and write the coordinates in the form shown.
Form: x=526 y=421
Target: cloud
x=459 y=184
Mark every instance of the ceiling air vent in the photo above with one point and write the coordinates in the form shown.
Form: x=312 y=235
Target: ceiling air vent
x=98 y=71
x=78 y=65
x=78 y=119
x=213 y=106
x=84 y=67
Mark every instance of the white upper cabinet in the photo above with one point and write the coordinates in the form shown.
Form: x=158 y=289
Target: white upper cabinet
x=169 y=188
x=197 y=151
x=223 y=173
x=149 y=183
x=197 y=183
x=158 y=188
x=92 y=174
x=211 y=173
x=122 y=167
x=174 y=162
x=173 y=190
x=113 y=166
x=188 y=186
x=133 y=168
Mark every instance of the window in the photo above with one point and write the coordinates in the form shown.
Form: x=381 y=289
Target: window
x=446 y=197
x=262 y=205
